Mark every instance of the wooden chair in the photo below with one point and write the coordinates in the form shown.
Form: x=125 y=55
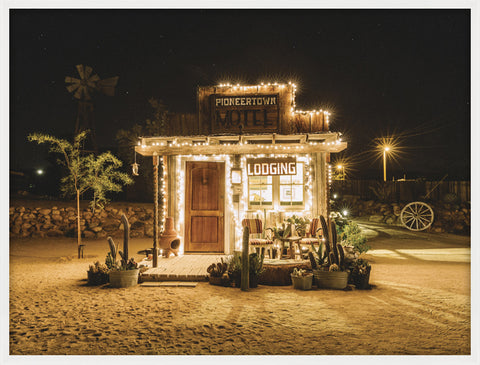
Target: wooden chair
x=255 y=227
x=313 y=236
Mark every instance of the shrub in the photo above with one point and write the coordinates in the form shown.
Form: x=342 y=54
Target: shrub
x=352 y=236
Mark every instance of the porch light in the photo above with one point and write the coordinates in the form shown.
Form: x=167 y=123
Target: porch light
x=236 y=176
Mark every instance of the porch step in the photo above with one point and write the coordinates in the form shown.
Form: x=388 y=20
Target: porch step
x=184 y=268
x=153 y=284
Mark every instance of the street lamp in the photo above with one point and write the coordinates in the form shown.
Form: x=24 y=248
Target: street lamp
x=385 y=150
x=342 y=169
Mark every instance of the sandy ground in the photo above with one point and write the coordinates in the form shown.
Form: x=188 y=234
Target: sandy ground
x=420 y=304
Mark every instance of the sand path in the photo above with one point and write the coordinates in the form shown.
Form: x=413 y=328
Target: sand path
x=420 y=305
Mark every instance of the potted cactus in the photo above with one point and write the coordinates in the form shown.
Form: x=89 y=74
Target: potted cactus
x=97 y=274
x=360 y=274
x=217 y=273
x=301 y=279
x=123 y=273
x=255 y=263
x=328 y=264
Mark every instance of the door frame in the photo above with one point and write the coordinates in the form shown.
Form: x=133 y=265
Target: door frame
x=226 y=214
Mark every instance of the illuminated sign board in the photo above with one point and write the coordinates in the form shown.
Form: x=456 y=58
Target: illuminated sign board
x=255 y=113
x=271 y=166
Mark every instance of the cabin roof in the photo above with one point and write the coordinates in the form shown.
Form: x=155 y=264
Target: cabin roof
x=271 y=143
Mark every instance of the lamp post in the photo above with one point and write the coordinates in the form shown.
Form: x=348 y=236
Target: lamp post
x=385 y=150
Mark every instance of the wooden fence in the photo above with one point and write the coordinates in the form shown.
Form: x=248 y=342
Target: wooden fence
x=404 y=191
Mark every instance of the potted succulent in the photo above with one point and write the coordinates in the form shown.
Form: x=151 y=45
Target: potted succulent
x=97 y=274
x=300 y=224
x=360 y=274
x=255 y=262
x=356 y=243
x=328 y=264
x=301 y=279
x=217 y=273
x=123 y=273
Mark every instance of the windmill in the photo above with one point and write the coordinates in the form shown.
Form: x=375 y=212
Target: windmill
x=83 y=89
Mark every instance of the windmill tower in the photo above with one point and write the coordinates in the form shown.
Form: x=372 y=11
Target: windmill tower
x=83 y=89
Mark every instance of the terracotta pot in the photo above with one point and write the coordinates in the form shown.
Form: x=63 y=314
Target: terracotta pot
x=331 y=279
x=123 y=278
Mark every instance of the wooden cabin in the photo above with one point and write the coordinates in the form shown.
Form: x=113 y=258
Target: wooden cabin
x=252 y=154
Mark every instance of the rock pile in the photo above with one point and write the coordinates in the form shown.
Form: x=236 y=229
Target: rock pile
x=448 y=217
x=56 y=221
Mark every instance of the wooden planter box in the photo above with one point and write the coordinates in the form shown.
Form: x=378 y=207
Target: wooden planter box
x=331 y=279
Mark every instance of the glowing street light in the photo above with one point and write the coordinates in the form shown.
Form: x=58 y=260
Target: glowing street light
x=385 y=150
x=39 y=172
x=342 y=169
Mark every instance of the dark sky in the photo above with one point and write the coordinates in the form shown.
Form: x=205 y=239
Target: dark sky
x=378 y=71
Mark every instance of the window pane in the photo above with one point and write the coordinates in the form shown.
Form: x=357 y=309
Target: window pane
x=285 y=193
x=260 y=195
x=285 y=179
x=267 y=195
x=297 y=194
x=298 y=178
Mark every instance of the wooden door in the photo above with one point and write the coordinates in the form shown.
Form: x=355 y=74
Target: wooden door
x=204 y=206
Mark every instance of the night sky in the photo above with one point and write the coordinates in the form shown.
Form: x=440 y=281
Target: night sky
x=380 y=72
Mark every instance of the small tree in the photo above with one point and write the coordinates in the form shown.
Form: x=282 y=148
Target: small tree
x=96 y=173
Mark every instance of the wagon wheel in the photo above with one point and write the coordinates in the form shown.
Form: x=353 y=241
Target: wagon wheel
x=416 y=216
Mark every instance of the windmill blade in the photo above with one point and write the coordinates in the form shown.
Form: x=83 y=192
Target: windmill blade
x=107 y=86
x=94 y=78
x=92 y=81
x=78 y=93
x=69 y=80
x=88 y=71
x=72 y=87
x=81 y=71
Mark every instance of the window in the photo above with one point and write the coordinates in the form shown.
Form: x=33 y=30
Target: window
x=260 y=191
x=270 y=191
x=291 y=188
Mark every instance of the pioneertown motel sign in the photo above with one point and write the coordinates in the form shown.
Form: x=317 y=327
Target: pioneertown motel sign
x=271 y=166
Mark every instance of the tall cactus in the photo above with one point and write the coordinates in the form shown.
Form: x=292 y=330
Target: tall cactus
x=324 y=228
x=333 y=234
x=244 y=279
x=126 y=236
x=341 y=259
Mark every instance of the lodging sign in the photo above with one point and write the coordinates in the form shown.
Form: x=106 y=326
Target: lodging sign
x=271 y=166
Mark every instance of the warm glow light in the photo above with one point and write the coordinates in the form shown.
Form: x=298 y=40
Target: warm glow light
x=39 y=172
x=345 y=213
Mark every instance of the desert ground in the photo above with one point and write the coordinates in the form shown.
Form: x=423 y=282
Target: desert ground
x=419 y=304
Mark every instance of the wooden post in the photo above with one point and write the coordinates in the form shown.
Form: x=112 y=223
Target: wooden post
x=155 y=211
x=164 y=192
x=244 y=283
x=79 y=233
